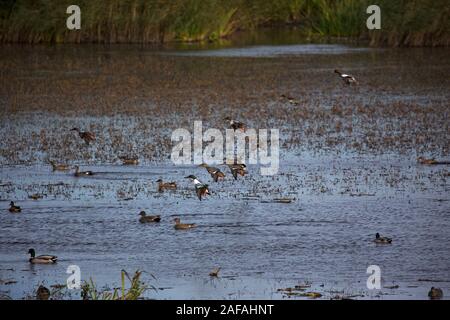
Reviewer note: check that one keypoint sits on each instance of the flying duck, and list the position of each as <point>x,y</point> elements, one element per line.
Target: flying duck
<point>435,293</point>
<point>235,125</point>
<point>291,100</point>
<point>238,169</point>
<point>13,208</point>
<point>215,173</point>
<point>58,166</point>
<point>183,226</point>
<point>348,79</point>
<point>166,185</point>
<point>144,218</point>
<point>42,259</point>
<point>200,188</point>
<point>85,135</point>
<point>380,239</point>
<point>79,173</point>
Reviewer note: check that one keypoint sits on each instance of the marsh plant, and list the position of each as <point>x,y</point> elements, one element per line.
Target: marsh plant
<point>135,290</point>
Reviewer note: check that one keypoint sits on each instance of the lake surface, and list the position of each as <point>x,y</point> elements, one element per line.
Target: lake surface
<point>347,163</point>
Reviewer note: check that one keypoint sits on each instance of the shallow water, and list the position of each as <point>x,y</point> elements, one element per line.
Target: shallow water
<point>346,181</point>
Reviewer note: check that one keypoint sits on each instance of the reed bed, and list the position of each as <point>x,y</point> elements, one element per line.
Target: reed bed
<point>404,23</point>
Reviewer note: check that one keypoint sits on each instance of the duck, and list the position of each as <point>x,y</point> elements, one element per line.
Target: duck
<point>215,272</point>
<point>35,196</point>
<point>291,100</point>
<point>144,218</point>
<point>200,188</point>
<point>183,226</point>
<point>42,259</point>
<point>58,166</point>
<point>42,293</point>
<point>166,185</point>
<point>348,79</point>
<point>85,135</point>
<point>13,208</point>
<point>238,169</point>
<point>235,125</point>
<point>380,239</point>
<point>431,161</point>
<point>435,293</point>
<point>215,173</point>
<point>79,173</point>
<point>129,161</point>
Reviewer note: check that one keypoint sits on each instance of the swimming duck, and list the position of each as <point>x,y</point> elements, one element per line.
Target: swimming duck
<point>58,166</point>
<point>79,173</point>
<point>235,125</point>
<point>215,272</point>
<point>85,135</point>
<point>291,100</point>
<point>129,161</point>
<point>144,218</point>
<point>36,196</point>
<point>215,173</point>
<point>348,79</point>
<point>166,185</point>
<point>42,259</point>
<point>435,293</point>
<point>14,208</point>
<point>42,293</point>
<point>183,226</point>
<point>200,188</point>
<point>238,169</point>
<point>380,239</point>
<point>431,161</point>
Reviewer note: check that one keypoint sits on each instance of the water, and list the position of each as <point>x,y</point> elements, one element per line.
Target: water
<point>347,161</point>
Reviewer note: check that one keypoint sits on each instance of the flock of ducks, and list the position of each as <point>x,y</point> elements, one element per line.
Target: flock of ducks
<point>201,189</point>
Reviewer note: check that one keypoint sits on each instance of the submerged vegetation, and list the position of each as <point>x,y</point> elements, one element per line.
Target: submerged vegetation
<point>404,23</point>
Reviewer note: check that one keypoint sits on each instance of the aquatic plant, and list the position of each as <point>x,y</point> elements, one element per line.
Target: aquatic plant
<point>408,23</point>
<point>136,288</point>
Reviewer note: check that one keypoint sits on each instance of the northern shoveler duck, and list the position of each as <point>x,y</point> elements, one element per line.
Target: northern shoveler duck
<point>166,185</point>
<point>215,173</point>
<point>348,79</point>
<point>79,173</point>
<point>42,259</point>
<point>235,125</point>
<point>435,293</point>
<point>13,208</point>
<point>291,100</point>
<point>85,135</point>
<point>200,188</point>
<point>215,272</point>
<point>58,166</point>
<point>42,293</point>
<point>183,226</point>
<point>380,239</point>
<point>431,161</point>
<point>145,218</point>
<point>237,169</point>
<point>128,161</point>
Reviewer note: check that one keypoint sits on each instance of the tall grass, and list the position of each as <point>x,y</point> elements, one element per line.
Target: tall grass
<point>404,22</point>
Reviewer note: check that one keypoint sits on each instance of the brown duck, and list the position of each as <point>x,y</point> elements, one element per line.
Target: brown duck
<point>183,226</point>
<point>13,208</point>
<point>129,161</point>
<point>58,166</point>
<point>166,185</point>
<point>215,173</point>
<point>85,135</point>
<point>236,125</point>
<point>431,161</point>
